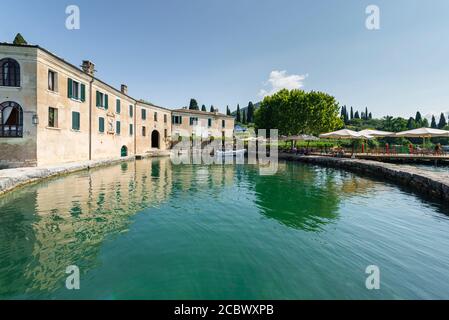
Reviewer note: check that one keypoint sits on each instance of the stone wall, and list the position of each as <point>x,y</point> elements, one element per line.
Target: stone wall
<point>21,152</point>
<point>435,184</point>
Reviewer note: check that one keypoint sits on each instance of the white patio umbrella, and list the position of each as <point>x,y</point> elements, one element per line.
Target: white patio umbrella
<point>423,133</point>
<point>345,134</point>
<point>376,133</point>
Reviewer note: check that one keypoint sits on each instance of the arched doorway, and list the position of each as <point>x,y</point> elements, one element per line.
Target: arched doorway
<point>124,151</point>
<point>155,139</point>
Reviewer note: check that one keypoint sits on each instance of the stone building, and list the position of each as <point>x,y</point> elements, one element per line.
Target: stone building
<point>53,112</point>
<point>201,124</point>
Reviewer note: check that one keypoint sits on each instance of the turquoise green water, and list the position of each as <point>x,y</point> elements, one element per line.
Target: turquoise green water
<point>151,230</point>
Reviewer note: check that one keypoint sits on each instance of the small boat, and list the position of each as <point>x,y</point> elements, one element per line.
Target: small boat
<point>230,152</point>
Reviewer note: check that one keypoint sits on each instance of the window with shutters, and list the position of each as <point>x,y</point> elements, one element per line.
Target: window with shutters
<point>223,123</point>
<point>102,100</point>
<point>118,107</point>
<point>131,130</point>
<point>144,131</point>
<point>118,128</point>
<point>155,116</point>
<point>144,114</point>
<point>176,120</point>
<point>75,121</point>
<point>131,112</point>
<point>165,118</point>
<point>76,90</point>
<point>209,123</point>
<point>101,125</point>
<point>193,121</point>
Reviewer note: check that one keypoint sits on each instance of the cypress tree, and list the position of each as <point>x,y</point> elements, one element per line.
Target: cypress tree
<point>418,119</point>
<point>193,105</point>
<point>203,108</point>
<point>352,113</point>
<point>433,123</point>
<point>212,109</point>
<point>442,122</point>
<point>228,111</point>
<point>356,115</point>
<point>250,114</point>
<point>238,118</point>
<point>411,124</point>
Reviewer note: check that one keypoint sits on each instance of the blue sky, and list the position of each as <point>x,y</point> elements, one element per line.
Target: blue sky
<point>223,52</point>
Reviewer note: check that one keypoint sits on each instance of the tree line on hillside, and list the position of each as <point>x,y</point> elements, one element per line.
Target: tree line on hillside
<point>347,116</point>
<point>245,116</point>
<point>395,124</point>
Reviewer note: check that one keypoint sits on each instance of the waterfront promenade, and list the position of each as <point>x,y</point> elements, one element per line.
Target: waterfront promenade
<point>435,184</point>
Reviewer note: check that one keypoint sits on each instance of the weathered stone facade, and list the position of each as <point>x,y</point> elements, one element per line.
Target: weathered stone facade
<point>69,115</point>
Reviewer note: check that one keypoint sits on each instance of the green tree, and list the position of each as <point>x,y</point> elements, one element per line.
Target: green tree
<point>352,113</point>
<point>244,120</point>
<point>433,123</point>
<point>442,123</point>
<point>356,115</point>
<point>203,108</point>
<point>228,111</point>
<point>212,108</point>
<point>238,117</point>
<point>295,112</point>
<point>193,105</point>
<point>411,124</point>
<point>19,40</point>
<point>250,113</point>
<point>418,119</point>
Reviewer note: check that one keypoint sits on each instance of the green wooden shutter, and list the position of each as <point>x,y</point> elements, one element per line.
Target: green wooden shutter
<point>117,126</point>
<point>117,107</point>
<point>101,124</point>
<point>98,99</point>
<point>106,103</point>
<point>69,88</point>
<point>83,92</point>
<point>75,120</point>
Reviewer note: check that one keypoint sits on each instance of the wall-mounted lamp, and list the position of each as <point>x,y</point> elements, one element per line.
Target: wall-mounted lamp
<point>35,119</point>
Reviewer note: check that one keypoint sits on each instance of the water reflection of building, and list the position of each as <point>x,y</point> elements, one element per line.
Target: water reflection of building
<point>74,216</point>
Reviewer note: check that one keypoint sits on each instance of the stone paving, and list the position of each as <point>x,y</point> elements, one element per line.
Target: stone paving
<point>435,184</point>
<point>13,178</point>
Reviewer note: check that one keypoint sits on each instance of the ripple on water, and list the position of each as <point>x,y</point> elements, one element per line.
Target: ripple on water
<point>152,230</point>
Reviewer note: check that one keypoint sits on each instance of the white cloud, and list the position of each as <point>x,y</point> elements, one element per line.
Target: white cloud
<point>281,80</point>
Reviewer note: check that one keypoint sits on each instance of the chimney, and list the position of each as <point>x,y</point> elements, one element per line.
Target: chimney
<point>88,67</point>
<point>124,89</point>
